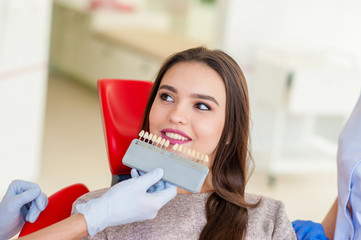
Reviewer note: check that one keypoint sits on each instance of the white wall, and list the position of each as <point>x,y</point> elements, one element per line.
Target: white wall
<point>324,30</point>
<point>24,37</point>
<point>295,25</point>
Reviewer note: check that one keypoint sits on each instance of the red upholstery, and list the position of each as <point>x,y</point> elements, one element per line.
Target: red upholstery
<point>59,208</point>
<point>122,103</point>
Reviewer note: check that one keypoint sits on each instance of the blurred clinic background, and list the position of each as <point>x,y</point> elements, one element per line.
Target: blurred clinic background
<point>301,58</point>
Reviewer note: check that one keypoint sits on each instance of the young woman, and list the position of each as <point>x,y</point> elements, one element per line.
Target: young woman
<point>200,100</point>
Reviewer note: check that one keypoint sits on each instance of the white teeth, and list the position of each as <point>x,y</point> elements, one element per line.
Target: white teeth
<point>176,136</point>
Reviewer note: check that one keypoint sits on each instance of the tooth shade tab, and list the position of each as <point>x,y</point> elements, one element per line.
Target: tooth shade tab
<point>184,150</point>
<point>206,159</point>
<point>150,136</point>
<point>154,138</point>
<point>188,152</point>
<point>175,147</point>
<point>180,148</point>
<point>145,135</point>
<point>141,134</point>
<point>193,153</point>
<point>162,142</point>
<point>166,143</point>
<point>197,155</point>
<point>158,140</point>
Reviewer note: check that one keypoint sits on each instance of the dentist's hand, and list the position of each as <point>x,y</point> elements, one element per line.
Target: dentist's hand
<point>127,201</point>
<point>308,230</point>
<point>22,202</point>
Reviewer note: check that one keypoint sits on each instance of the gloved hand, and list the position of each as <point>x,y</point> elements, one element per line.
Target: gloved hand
<point>158,186</point>
<point>126,202</point>
<point>22,201</point>
<point>308,230</point>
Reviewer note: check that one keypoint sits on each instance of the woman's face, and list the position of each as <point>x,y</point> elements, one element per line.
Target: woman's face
<point>189,108</point>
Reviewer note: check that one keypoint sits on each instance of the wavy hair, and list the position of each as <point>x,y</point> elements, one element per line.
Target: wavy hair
<point>226,207</point>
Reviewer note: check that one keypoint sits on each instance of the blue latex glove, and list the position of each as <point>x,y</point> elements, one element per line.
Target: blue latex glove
<point>22,202</point>
<point>126,202</point>
<point>158,186</point>
<point>308,230</point>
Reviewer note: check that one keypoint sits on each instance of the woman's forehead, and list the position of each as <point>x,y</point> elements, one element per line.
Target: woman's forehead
<point>194,76</point>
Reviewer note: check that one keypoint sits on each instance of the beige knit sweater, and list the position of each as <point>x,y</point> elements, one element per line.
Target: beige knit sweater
<point>184,217</point>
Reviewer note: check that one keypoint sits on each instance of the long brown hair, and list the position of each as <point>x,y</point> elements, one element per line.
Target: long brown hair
<point>226,207</point>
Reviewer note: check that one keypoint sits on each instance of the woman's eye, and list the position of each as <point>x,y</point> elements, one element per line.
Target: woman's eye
<point>166,97</point>
<point>202,106</point>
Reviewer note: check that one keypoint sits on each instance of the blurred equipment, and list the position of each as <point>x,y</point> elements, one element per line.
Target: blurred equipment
<point>308,96</point>
<point>122,103</point>
<point>59,208</point>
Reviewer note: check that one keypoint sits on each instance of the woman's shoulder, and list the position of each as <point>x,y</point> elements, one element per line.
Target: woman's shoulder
<point>266,206</point>
<point>269,218</point>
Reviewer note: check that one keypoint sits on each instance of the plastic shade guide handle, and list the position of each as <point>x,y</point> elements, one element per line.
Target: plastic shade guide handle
<point>179,169</point>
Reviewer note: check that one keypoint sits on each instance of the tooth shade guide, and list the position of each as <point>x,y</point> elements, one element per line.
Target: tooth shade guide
<point>162,142</point>
<point>141,134</point>
<point>184,154</point>
<point>145,135</point>
<point>150,137</point>
<point>154,139</point>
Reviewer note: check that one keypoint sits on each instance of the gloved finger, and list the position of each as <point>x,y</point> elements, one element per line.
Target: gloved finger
<point>41,201</point>
<point>298,224</point>
<point>314,236</point>
<point>26,197</point>
<point>164,196</point>
<point>311,236</point>
<point>160,185</point>
<point>301,233</point>
<point>32,213</point>
<point>134,173</point>
<point>19,186</point>
<point>150,178</point>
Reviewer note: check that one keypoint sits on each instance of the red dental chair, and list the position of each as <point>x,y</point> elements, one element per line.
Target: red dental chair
<point>122,103</point>
<point>59,208</point>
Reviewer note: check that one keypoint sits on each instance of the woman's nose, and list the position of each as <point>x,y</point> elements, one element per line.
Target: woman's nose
<point>178,115</point>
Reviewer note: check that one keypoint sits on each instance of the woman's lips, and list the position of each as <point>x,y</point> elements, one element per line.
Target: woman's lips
<point>175,136</point>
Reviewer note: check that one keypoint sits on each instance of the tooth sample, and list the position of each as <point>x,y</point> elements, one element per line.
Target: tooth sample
<point>193,154</point>
<point>197,156</point>
<point>150,137</point>
<point>162,142</point>
<point>206,159</point>
<point>145,135</point>
<point>175,147</point>
<point>188,152</point>
<point>166,144</point>
<point>141,134</point>
<point>154,138</point>
<point>158,140</point>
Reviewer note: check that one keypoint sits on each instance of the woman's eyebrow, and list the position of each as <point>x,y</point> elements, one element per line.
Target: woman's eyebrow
<point>205,97</point>
<point>193,95</point>
<point>170,88</point>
